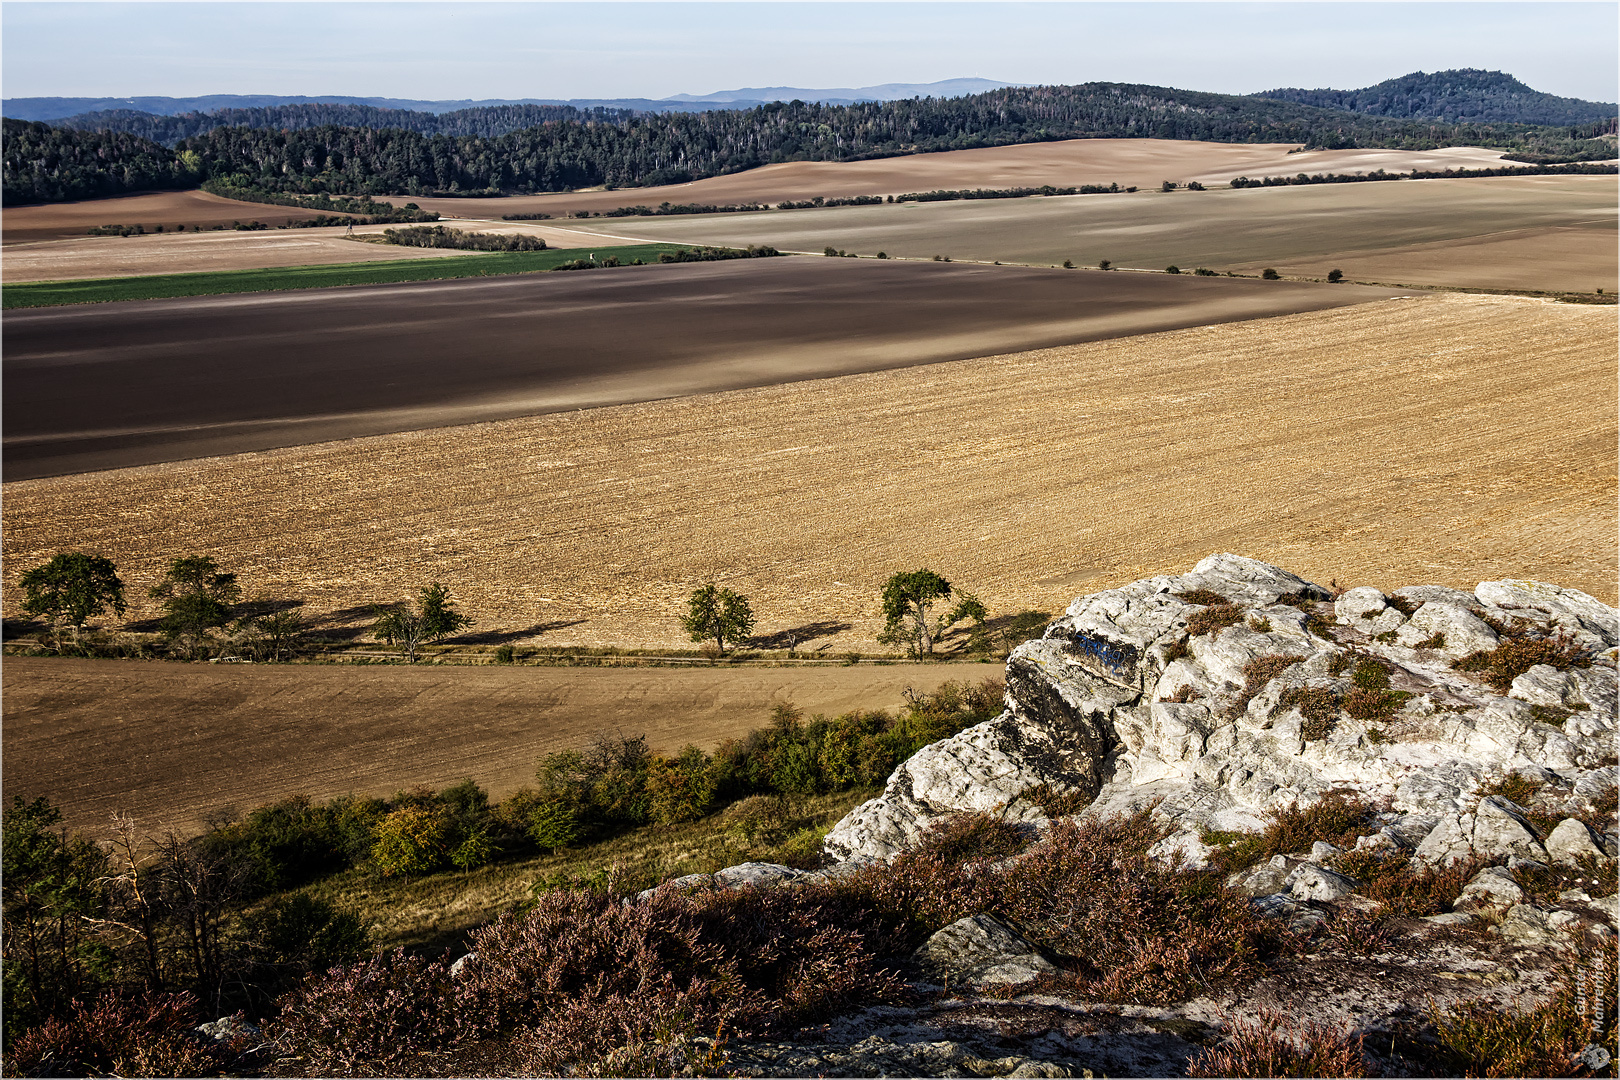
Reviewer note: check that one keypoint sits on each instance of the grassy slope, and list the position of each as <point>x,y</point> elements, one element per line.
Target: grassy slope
<point>436,910</point>
<point>163,286</point>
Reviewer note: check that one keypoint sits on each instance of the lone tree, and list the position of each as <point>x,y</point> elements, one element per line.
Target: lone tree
<point>1335,276</point>
<point>197,596</point>
<point>908,597</point>
<point>713,612</point>
<point>72,588</point>
<point>434,617</point>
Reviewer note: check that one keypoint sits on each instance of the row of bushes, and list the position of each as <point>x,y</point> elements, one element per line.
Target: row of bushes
<point>437,236</point>
<point>1583,168</point>
<point>612,785</point>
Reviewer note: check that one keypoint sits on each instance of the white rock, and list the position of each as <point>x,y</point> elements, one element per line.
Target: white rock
<point>1570,609</point>
<point>1500,829</point>
<point>1312,882</point>
<point>755,875</point>
<point>1358,605</point>
<point>1492,887</point>
<point>1321,852</point>
<point>1544,685</point>
<point>1572,840</point>
<point>1463,631</point>
<point>981,949</point>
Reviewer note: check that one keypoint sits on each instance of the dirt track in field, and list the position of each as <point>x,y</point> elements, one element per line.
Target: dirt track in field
<point>109,385</point>
<point>1449,439</point>
<point>173,743</point>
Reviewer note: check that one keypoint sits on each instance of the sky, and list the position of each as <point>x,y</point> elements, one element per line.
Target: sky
<point>440,51</point>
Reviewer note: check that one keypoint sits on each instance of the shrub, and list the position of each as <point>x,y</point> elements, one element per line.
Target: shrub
<point>411,841</point>
<point>118,1036</point>
<point>1054,803</point>
<point>1172,269</point>
<point>1405,888</point>
<point>376,1017</point>
<point>1318,709</point>
<point>968,837</point>
<point>1515,786</point>
<point>1335,276</point>
<point>1130,927</point>
<point>1204,271</point>
<point>1276,1044</point>
<point>1214,618</point>
<point>1202,597</point>
<point>1257,673</point>
<point>679,790</point>
<point>1336,818</point>
<point>1481,1039</point>
<point>1269,274</point>
<point>1518,655</point>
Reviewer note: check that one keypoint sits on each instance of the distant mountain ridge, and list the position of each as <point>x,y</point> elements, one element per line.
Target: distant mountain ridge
<point>1456,96</point>
<point>50,109</point>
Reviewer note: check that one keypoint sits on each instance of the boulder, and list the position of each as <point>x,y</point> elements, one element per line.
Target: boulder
<point>1121,703</point>
<point>981,950</point>
<point>1312,882</point>
<point>1531,925</point>
<point>1492,887</point>
<point>1461,631</point>
<point>1571,840</point>
<point>755,875</point>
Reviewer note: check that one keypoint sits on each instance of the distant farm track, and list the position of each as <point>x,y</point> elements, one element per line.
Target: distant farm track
<point>112,385</point>
<point>174,743</point>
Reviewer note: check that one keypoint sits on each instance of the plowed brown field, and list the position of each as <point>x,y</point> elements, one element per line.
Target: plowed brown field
<point>174,743</point>
<point>1446,439</point>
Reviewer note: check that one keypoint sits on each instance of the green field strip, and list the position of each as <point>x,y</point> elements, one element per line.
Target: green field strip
<point>278,279</point>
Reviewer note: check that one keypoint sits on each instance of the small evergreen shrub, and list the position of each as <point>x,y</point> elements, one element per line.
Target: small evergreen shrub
<point>1276,1044</point>
<point>1517,655</point>
<point>1213,619</point>
<point>118,1036</point>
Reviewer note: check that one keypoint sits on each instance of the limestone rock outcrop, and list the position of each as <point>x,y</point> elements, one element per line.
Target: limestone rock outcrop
<point>1237,689</point>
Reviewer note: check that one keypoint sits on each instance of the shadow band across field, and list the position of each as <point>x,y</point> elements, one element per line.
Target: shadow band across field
<point>115,385</point>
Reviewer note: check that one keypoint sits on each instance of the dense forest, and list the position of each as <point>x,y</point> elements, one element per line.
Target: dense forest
<point>1461,96</point>
<point>486,122</point>
<point>48,164</point>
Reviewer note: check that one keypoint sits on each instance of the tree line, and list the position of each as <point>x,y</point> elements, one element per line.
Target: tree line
<point>45,164</point>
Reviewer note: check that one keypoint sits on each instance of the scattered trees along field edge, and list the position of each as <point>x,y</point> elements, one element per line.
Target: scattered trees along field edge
<point>44,164</point>
<point>200,602</point>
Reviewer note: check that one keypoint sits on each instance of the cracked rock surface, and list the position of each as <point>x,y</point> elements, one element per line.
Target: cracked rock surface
<point>1239,689</point>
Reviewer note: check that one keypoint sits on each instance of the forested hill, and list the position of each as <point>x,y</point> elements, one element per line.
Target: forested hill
<point>1461,95</point>
<point>48,164</point>
<point>486,121</point>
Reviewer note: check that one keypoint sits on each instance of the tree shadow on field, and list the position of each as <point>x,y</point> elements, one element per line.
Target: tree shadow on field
<point>338,625</point>
<point>795,636</point>
<point>16,628</point>
<point>501,637</point>
<point>260,606</point>
<point>1002,633</point>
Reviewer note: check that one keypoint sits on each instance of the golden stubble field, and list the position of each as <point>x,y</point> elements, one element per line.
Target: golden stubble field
<point>1446,439</point>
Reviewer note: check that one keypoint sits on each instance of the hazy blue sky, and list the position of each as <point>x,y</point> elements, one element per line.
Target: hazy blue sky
<point>488,50</point>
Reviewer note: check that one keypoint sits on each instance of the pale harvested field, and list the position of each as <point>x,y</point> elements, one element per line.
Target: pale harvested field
<point>1446,439</point>
<point>1552,233</point>
<point>174,743</point>
<point>1127,162</point>
<point>174,253</point>
<point>170,209</point>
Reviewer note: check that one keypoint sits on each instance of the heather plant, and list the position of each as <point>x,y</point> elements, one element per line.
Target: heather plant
<point>1336,818</point>
<point>1214,618</point>
<point>118,1036</point>
<point>372,1018</point>
<point>1131,927</point>
<point>1480,1038</point>
<point>1518,654</point>
<point>1406,888</point>
<point>1256,674</point>
<point>969,837</point>
<point>1276,1044</point>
